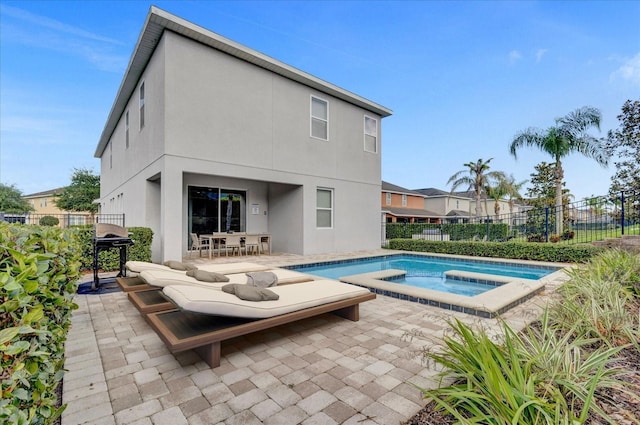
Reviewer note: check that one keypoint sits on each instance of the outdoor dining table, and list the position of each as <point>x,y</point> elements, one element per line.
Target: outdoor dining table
<point>220,236</point>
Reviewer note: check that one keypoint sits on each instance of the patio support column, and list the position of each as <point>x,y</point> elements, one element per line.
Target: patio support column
<point>171,219</point>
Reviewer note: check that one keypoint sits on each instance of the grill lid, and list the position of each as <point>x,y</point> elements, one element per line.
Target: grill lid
<point>105,230</point>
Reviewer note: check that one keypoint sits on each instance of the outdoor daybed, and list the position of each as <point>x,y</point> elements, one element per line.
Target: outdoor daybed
<point>135,283</point>
<point>150,297</point>
<point>207,317</point>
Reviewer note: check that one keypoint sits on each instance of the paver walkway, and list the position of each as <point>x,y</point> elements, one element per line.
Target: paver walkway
<point>323,370</point>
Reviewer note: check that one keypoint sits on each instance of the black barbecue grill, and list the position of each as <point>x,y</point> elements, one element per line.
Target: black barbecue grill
<point>109,236</point>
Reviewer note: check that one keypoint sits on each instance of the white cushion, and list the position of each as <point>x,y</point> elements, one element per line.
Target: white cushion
<point>138,266</point>
<point>163,278</point>
<point>224,268</point>
<point>292,298</point>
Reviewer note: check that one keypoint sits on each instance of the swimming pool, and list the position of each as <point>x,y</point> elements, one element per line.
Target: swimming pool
<point>484,287</point>
<point>427,272</point>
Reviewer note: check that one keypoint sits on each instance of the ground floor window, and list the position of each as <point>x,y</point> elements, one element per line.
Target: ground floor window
<point>324,208</point>
<point>212,210</point>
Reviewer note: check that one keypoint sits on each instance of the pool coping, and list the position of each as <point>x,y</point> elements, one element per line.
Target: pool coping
<point>508,291</point>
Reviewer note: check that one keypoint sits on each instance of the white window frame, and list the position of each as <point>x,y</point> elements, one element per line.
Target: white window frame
<point>126,129</point>
<point>388,200</point>
<point>404,200</point>
<point>141,95</point>
<point>319,208</point>
<point>366,133</point>
<point>311,117</point>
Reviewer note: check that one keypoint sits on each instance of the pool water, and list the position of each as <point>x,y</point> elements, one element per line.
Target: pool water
<point>427,272</point>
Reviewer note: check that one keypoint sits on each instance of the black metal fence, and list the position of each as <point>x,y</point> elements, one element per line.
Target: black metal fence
<point>63,220</point>
<point>584,221</point>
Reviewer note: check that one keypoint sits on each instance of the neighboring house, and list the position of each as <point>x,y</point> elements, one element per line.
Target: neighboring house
<point>207,135</point>
<point>400,205</point>
<point>453,207</point>
<point>460,207</point>
<point>44,203</point>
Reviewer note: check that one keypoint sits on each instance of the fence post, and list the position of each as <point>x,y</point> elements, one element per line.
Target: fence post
<point>546,224</point>
<point>622,211</point>
<point>488,228</point>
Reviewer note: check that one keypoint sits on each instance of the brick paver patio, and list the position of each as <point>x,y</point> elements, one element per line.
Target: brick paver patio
<point>323,370</point>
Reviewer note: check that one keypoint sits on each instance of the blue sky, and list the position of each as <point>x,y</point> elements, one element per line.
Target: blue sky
<point>462,77</point>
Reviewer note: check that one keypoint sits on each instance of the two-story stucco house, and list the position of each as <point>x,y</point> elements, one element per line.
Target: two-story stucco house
<point>403,205</point>
<point>207,135</point>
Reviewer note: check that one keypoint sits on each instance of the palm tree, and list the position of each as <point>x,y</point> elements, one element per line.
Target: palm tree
<point>567,136</point>
<point>497,192</point>
<point>513,190</point>
<point>478,178</point>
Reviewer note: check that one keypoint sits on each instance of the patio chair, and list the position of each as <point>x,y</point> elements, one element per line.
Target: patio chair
<point>199,244</point>
<point>253,242</point>
<point>232,242</point>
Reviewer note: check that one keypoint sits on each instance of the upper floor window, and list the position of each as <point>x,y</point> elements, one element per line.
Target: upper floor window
<point>319,118</point>
<point>324,208</point>
<point>141,106</point>
<point>126,129</point>
<point>110,155</point>
<point>388,198</point>
<point>404,200</point>
<point>370,134</point>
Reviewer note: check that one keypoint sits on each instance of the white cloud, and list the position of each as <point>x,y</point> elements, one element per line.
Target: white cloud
<point>629,71</point>
<point>514,56</point>
<point>539,54</point>
<point>52,24</point>
<point>29,29</point>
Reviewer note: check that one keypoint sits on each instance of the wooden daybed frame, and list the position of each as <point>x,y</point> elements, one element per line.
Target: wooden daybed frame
<point>132,283</point>
<point>182,330</point>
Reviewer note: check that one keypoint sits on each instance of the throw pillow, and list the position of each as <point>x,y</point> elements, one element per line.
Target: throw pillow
<point>206,276</point>
<point>250,293</point>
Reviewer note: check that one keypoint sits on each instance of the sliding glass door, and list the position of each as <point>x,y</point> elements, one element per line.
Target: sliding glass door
<point>212,210</point>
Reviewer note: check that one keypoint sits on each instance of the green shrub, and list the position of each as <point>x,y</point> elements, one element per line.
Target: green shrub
<point>597,298</point>
<point>39,273</point>
<point>540,377</point>
<point>49,220</point>
<point>514,250</point>
<point>456,231</point>
<point>109,260</point>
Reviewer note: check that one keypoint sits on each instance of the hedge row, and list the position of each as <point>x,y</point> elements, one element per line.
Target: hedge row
<point>109,259</point>
<point>39,270</point>
<point>456,231</point>
<point>515,250</point>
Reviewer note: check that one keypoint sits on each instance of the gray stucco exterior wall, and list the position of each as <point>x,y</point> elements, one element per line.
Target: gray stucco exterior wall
<point>215,120</point>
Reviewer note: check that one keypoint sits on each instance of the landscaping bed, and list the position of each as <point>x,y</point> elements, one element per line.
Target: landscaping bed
<point>579,364</point>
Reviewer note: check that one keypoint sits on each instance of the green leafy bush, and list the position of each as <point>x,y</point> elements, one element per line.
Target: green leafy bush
<point>109,260</point>
<point>597,298</point>
<point>514,250</point>
<point>456,231</point>
<point>539,377</point>
<point>39,270</point>
<point>49,220</point>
